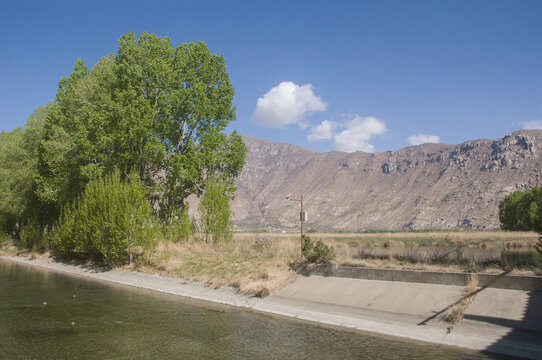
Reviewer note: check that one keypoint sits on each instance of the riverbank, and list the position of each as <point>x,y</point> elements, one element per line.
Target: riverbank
<point>498,320</point>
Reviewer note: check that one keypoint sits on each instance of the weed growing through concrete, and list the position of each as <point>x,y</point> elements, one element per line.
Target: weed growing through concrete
<point>456,313</point>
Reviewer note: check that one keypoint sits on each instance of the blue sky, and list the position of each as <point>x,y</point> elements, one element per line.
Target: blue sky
<point>342,75</point>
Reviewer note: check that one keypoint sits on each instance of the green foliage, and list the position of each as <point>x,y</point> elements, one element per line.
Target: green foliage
<point>317,252</point>
<point>523,211</point>
<point>215,213</point>
<point>110,222</point>
<point>152,107</point>
<point>4,238</point>
<point>31,235</point>
<point>181,228</point>
<point>18,167</point>
<point>13,178</point>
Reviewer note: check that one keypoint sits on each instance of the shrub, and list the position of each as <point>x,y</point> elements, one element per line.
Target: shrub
<point>215,213</point>
<point>263,292</point>
<point>109,222</point>
<point>181,228</point>
<point>31,235</point>
<point>4,237</point>
<point>317,252</point>
<point>262,243</point>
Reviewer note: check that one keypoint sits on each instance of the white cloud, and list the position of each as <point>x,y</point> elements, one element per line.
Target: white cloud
<point>533,125</point>
<point>324,131</point>
<point>358,132</point>
<point>423,139</point>
<point>285,104</point>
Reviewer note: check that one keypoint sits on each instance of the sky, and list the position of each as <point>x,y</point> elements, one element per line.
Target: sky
<point>344,75</point>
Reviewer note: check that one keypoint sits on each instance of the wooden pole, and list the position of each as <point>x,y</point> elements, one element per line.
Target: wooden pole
<point>302,218</point>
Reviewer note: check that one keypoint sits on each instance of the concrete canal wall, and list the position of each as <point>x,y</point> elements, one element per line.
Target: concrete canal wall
<point>498,281</point>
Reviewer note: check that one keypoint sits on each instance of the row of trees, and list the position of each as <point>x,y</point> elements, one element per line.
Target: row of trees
<point>522,211</point>
<point>152,115</point>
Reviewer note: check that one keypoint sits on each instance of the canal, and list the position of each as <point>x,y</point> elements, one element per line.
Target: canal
<point>49,315</point>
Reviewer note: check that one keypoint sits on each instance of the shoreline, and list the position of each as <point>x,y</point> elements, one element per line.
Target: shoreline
<point>318,299</point>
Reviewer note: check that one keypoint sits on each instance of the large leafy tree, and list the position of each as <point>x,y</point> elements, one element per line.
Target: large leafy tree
<point>152,107</point>
<point>14,175</point>
<point>18,168</point>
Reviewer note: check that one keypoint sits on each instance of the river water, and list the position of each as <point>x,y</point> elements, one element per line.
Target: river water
<point>40,319</point>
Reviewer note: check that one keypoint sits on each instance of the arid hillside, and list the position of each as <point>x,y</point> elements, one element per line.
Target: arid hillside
<point>419,187</point>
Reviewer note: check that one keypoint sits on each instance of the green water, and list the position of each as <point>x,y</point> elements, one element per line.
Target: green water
<point>114,322</point>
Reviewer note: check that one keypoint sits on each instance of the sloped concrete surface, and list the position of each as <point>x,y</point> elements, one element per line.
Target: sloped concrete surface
<point>498,320</point>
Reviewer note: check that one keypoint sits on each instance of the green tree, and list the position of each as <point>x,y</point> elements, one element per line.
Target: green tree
<point>14,176</point>
<point>109,222</point>
<point>181,227</point>
<point>19,206</point>
<point>152,107</point>
<point>215,213</point>
<point>523,211</point>
<point>512,212</point>
<point>317,252</point>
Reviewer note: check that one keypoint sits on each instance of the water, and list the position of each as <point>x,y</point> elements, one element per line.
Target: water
<point>39,319</point>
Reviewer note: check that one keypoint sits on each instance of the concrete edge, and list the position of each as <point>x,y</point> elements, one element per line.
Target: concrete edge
<point>499,281</point>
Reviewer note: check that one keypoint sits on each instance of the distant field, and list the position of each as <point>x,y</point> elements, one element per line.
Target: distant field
<point>498,239</point>
<point>452,250</point>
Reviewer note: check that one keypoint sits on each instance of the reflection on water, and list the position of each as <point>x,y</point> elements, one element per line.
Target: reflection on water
<point>40,319</point>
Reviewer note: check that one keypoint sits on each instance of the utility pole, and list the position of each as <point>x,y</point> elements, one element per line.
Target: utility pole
<point>302,218</point>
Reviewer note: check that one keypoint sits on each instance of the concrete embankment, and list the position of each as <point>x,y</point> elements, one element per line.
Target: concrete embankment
<point>503,321</point>
<point>503,280</point>
<point>506,321</point>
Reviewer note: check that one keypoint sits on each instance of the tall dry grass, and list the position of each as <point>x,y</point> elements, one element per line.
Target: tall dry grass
<point>456,312</point>
<point>261,263</point>
<point>498,239</point>
<point>253,266</point>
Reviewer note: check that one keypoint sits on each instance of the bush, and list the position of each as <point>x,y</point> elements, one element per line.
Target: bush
<point>262,243</point>
<point>317,252</point>
<point>31,235</point>
<point>110,222</point>
<point>181,228</point>
<point>4,237</point>
<point>215,213</point>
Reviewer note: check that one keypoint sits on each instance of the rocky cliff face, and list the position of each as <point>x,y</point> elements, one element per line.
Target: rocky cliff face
<point>418,187</point>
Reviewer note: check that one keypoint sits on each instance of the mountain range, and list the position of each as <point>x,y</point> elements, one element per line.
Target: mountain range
<point>429,186</point>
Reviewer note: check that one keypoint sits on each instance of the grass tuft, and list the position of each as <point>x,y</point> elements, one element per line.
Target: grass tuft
<point>456,313</point>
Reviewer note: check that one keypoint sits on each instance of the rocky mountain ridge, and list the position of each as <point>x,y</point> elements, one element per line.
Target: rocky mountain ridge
<point>429,186</point>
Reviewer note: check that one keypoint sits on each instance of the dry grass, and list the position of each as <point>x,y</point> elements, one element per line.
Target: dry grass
<point>259,267</point>
<point>479,251</point>
<point>252,268</point>
<point>9,248</point>
<point>456,312</point>
<point>263,266</point>
<point>492,239</point>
